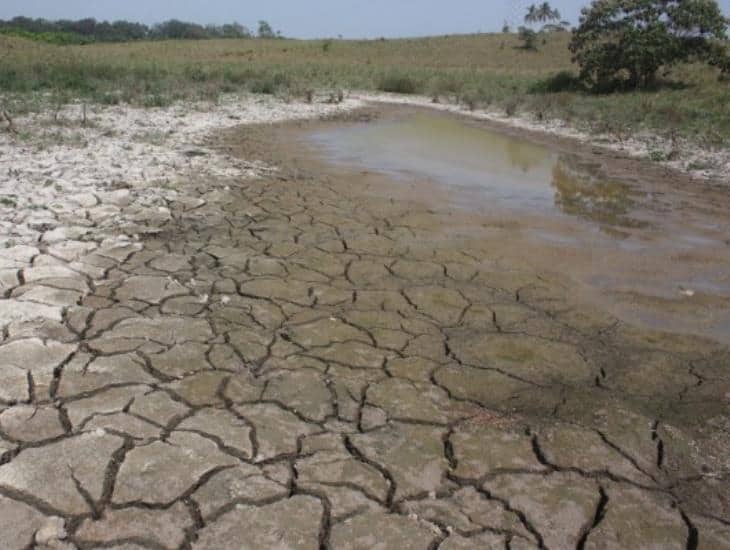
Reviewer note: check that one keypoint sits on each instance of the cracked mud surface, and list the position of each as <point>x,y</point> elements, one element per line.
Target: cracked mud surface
<point>290,363</point>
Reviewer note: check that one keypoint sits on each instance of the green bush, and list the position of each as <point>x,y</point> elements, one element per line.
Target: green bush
<point>624,44</point>
<point>529,38</point>
<point>564,81</point>
<point>58,37</point>
<point>398,84</point>
<point>269,84</point>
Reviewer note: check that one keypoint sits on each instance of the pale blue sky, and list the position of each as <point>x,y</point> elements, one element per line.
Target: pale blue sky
<point>306,18</point>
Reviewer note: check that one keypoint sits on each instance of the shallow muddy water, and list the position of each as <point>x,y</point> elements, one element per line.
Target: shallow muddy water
<point>481,168</point>
<point>636,238</point>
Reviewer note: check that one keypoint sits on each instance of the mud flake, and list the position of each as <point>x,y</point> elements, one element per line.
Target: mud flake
<point>110,401</point>
<point>126,424</point>
<point>31,423</point>
<point>417,369</point>
<point>303,391</point>
<point>161,472</point>
<point>442,304</point>
<point>18,311</point>
<point>405,400</point>
<point>36,357</point>
<point>170,263</point>
<point>638,519</point>
<point>242,483</point>
<point>181,360</point>
<point>277,429</point>
<point>467,511</point>
<point>47,295</point>
<point>48,472</point>
<point>167,330</point>
<point>535,359</point>
<point>165,528</point>
<point>352,354</point>
<point>201,389</point>
<point>491,445</point>
<point>279,289</point>
<point>381,530</point>
<point>18,524</point>
<point>418,272</point>
<point>325,331</point>
<point>333,468</point>
<point>488,387</point>
<point>456,541</point>
<point>158,407</point>
<point>569,446</point>
<point>232,431</point>
<point>558,505</point>
<point>80,377</point>
<point>413,455</point>
<point>289,523</point>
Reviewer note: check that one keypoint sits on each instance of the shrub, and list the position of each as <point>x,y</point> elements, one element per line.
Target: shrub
<point>196,74</point>
<point>398,84</point>
<point>59,38</point>
<point>270,84</point>
<point>564,81</point>
<point>155,100</point>
<point>529,38</point>
<point>510,106</point>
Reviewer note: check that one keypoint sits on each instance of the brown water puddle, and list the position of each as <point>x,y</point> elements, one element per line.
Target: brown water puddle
<point>650,246</point>
<point>480,168</point>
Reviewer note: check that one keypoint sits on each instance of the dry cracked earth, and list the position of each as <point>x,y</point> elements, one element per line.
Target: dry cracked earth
<point>290,364</point>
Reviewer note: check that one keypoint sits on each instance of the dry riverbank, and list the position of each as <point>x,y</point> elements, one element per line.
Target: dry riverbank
<point>223,339</point>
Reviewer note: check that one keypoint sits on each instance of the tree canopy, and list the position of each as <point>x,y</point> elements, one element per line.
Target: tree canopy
<point>624,43</point>
<point>91,30</point>
<point>542,13</point>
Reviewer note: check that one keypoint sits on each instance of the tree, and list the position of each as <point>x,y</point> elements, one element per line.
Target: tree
<point>236,30</point>
<point>532,14</point>
<point>624,43</point>
<point>90,30</point>
<point>528,37</point>
<point>543,13</point>
<point>265,30</point>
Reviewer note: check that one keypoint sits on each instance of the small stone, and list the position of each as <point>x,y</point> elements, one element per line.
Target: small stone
<point>53,529</point>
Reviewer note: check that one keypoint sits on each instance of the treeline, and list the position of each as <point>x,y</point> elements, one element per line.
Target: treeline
<point>91,30</point>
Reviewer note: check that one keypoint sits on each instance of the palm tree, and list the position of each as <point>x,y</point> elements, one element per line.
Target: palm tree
<point>532,15</point>
<point>546,13</point>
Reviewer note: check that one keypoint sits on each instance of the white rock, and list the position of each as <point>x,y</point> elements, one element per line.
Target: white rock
<point>54,529</point>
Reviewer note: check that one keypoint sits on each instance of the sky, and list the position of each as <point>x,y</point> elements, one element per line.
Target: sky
<point>307,18</point>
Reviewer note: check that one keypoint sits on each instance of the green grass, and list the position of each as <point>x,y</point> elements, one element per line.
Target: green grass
<point>57,37</point>
<point>480,71</point>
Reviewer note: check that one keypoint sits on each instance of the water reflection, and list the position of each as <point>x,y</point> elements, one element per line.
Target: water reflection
<point>580,190</point>
<point>482,168</point>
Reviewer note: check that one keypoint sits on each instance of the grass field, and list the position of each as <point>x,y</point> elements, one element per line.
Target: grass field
<point>482,71</point>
